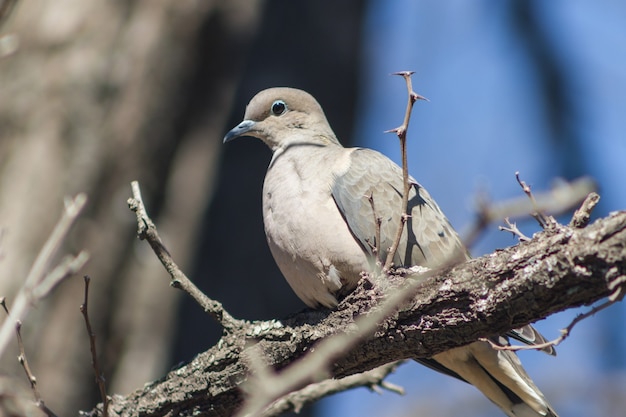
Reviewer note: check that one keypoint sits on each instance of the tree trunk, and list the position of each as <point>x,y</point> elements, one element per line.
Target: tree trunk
<point>99,94</point>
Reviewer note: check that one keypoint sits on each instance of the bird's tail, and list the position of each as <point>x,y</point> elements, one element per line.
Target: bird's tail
<point>498,374</point>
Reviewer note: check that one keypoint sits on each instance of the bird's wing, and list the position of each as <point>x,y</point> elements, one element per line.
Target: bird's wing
<point>431,241</point>
<point>428,238</point>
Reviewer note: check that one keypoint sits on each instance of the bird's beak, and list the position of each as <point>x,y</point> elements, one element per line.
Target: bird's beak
<point>240,130</point>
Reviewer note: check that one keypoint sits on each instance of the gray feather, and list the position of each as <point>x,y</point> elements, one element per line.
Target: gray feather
<point>428,238</point>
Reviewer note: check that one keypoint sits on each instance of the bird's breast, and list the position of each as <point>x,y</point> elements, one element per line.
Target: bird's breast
<point>306,233</point>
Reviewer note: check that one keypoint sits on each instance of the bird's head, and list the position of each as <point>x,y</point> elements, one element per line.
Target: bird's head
<point>284,116</point>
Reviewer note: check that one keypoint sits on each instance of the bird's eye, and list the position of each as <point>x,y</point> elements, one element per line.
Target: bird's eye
<point>278,107</point>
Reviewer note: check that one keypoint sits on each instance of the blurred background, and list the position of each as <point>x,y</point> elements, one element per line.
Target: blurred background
<point>101,93</point>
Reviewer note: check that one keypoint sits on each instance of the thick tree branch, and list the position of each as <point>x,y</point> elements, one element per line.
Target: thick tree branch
<point>558,269</point>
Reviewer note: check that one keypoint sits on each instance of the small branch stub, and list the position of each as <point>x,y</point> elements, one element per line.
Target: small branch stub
<point>582,216</point>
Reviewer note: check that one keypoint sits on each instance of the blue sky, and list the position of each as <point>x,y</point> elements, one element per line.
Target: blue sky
<point>489,116</point>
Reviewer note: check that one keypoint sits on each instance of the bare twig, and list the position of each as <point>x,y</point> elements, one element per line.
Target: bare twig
<point>583,214</point>
<point>373,379</point>
<point>512,228</point>
<point>68,266</point>
<point>84,309</point>
<point>377,222</point>
<point>38,283</point>
<point>543,220</point>
<point>146,230</point>
<point>401,131</point>
<point>564,332</point>
<point>22,359</point>
<point>563,197</point>
<point>24,362</point>
<point>29,374</point>
<point>616,284</point>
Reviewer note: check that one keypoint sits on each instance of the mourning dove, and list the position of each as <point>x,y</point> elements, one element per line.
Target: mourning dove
<point>321,231</point>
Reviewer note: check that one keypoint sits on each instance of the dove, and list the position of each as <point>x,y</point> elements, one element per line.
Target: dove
<point>321,230</point>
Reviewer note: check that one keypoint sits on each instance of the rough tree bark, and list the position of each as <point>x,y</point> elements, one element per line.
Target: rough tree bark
<point>559,268</point>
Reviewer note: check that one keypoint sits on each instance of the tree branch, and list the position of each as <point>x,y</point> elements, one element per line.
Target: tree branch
<point>146,230</point>
<point>559,200</point>
<point>559,268</point>
<point>373,379</point>
<point>41,280</point>
<point>401,131</point>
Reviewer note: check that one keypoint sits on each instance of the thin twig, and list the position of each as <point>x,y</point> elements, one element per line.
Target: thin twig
<point>146,230</point>
<point>373,379</point>
<point>616,285</point>
<point>401,131</point>
<point>512,228</point>
<point>553,343</point>
<point>84,309</point>
<point>378,223</point>
<point>543,220</point>
<point>564,196</point>
<point>68,266</point>
<point>23,360</point>
<point>38,283</point>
